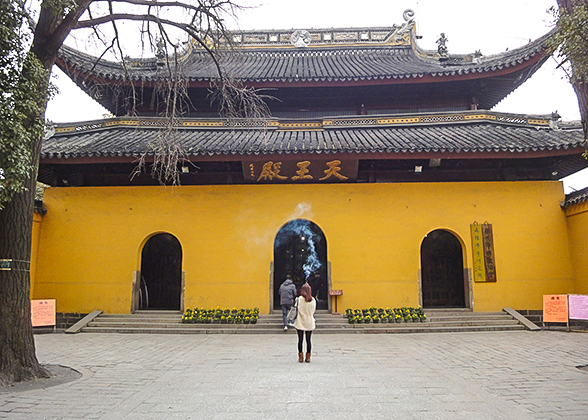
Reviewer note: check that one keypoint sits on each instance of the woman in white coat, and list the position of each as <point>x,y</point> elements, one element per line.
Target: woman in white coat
<point>305,322</point>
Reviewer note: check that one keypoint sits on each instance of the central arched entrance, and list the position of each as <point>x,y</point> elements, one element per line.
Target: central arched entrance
<point>161,273</point>
<point>442,274</point>
<point>300,250</point>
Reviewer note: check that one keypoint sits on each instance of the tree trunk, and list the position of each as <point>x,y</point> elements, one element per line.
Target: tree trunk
<point>18,361</point>
<point>581,89</point>
<point>580,83</point>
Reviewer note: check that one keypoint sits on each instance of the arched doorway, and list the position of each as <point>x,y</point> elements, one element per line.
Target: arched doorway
<point>300,250</point>
<point>442,274</point>
<point>161,273</point>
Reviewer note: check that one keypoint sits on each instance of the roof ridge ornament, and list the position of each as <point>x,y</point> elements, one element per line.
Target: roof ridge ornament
<point>300,38</point>
<point>441,47</point>
<point>408,16</point>
<point>402,34</point>
<point>160,53</point>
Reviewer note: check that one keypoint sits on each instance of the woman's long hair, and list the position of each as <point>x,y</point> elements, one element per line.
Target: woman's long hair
<point>306,292</point>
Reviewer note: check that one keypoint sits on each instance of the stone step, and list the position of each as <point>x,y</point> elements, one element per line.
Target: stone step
<point>140,317</point>
<point>439,329</point>
<point>468,318</point>
<point>207,329</point>
<point>439,324</point>
<point>406,328</point>
<point>169,322</point>
<point>156,312</point>
<point>167,325</point>
<point>278,326</point>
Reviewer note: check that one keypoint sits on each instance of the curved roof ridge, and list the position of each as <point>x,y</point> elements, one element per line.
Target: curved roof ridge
<point>441,140</point>
<point>535,121</point>
<point>409,59</point>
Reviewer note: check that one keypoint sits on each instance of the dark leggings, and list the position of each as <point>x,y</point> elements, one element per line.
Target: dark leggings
<point>301,333</point>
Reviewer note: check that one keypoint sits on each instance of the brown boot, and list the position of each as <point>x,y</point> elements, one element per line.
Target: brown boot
<point>307,357</point>
<point>300,358</point>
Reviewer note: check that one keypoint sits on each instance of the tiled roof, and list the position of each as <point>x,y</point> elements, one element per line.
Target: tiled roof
<point>284,64</point>
<point>402,135</point>
<point>576,197</point>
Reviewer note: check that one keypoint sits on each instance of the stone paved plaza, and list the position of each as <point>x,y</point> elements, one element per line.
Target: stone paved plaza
<point>492,375</point>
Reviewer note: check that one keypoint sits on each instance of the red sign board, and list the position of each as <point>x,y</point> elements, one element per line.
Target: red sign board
<point>43,312</point>
<point>336,292</point>
<point>555,308</point>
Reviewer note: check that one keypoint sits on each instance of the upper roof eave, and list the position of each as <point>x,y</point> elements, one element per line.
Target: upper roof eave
<point>400,63</point>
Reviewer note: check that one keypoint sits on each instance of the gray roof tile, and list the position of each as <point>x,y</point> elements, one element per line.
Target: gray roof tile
<point>95,139</point>
<point>327,62</point>
<point>576,197</point>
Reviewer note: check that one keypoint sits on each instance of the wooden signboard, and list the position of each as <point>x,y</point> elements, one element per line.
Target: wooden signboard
<point>488,239</point>
<point>483,252</point>
<point>291,171</point>
<point>43,312</point>
<point>578,305</point>
<point>555,308</point>
<point>478,253</point>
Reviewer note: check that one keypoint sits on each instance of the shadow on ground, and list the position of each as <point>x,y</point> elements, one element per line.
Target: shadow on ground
<point>59,375</point>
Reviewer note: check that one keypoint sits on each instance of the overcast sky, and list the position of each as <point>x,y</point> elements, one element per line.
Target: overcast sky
<point>470,25</point>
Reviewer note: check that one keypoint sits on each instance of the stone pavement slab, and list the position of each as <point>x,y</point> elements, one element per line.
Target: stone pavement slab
<point>491,375</point>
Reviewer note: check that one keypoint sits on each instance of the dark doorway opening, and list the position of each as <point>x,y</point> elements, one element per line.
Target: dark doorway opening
<point>161,273</point>
<point>300,250</point>
<point>442,274</point>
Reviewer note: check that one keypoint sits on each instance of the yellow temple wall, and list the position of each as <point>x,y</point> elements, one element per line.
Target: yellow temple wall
<point>37,223</point>
<point>92,237</point>
<point>577,217</point>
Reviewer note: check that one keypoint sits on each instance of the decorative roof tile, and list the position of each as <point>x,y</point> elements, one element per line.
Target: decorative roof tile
<point>473,132</point>
<point>285,64</point>
<point>576,197</point>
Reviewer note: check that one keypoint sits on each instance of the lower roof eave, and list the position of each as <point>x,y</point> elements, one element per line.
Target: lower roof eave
<point>327,155</point>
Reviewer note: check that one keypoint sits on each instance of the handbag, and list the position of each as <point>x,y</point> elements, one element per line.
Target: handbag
<point>293,312</point>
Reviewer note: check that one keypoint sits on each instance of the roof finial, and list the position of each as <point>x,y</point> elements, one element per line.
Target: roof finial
<point>442,48</point>
<point>408,15</point>
<point>160,52</point>
<point>401,35</point>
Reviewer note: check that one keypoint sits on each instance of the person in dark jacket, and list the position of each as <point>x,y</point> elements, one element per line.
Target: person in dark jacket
<point>287,295</point>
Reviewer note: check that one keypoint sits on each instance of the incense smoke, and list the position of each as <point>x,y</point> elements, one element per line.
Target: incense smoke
<point>301,228</point>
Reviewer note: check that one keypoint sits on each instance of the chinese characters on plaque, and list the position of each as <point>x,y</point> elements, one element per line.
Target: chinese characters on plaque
<point>563,308</point>
<point>273,171</point>
<point>483,252</point>
<point>43,312</point>
<point>555,308</point>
